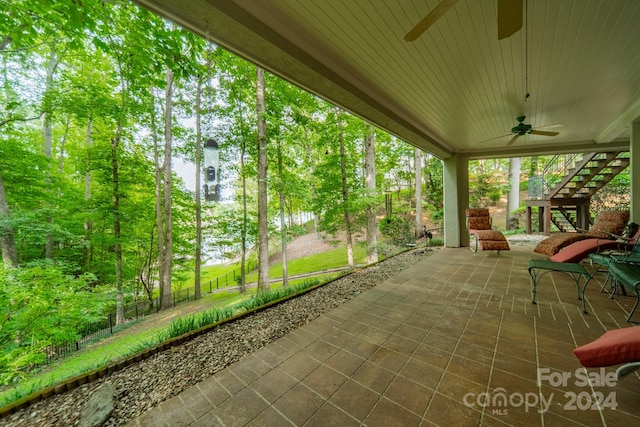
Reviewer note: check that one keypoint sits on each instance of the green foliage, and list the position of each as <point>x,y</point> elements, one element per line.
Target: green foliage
<point>397,229</point>
<point>190,323</point>
<point>435,183</point>
<point>436,241</point>
<point>41,305</point>
<point>614,195</point>
<point>437,215</point>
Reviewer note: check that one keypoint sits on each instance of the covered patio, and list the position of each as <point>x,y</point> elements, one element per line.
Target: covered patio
<point>453,340</point>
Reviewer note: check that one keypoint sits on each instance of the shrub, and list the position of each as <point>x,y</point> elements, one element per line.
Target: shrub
<point>397,229</point>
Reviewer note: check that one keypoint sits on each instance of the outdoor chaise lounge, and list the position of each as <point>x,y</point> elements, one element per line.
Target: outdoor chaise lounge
<point>487,239</point>
<point>607,223</point>
<point>615,347</point>
<point>582,249</point>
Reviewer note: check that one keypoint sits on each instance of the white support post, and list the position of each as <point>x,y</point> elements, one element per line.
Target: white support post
<point>456,200</point>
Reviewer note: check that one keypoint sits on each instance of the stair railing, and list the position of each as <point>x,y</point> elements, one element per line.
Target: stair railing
<point>553,172</point>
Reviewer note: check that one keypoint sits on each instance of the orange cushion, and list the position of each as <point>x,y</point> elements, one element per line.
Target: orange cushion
<point>552,245</point>
<point>578,251</point>
<point>476,212</point>
<point>613,348</point>
<point>479,223</point>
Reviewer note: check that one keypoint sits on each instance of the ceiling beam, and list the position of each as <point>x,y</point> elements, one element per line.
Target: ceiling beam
<point>550,149</point>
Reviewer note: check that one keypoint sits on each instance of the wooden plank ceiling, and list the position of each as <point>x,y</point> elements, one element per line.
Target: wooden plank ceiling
<point>457,88</point>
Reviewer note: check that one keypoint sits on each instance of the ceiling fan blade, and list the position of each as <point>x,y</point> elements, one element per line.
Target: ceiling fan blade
<point>512,140</point>
<point>557,125</point>
<point>509,17</point>
<point>494,138</point>
<point>430,19</point>
<point>544,133</point>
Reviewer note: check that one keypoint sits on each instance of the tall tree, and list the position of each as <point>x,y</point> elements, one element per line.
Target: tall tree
<point>198,260</point>
<point>513,196</point>
<point>263,231</point>
<point>47,134</point>
<point>283,227</point>
<point>418,180</point>
<point>167,260</point>
<point>370,184</point>
<point>345,190</point>
<point>115,148</point>
<point>243,227</point>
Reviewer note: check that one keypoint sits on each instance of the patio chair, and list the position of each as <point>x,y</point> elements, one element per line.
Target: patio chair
<point>487,239</point>
<point>628,252</point>
<point>623,268</point>
<point>607,224</point>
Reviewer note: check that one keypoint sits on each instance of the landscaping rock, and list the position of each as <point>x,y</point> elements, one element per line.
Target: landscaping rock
<point>99,408</point>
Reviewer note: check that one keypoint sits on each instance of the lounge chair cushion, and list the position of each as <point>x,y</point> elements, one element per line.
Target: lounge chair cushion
<point>490,240</point>
<point>607,223</point>
<point>613,348</point>
<point>578,251</point>
<point>479,223</point>
<point>552,245</point>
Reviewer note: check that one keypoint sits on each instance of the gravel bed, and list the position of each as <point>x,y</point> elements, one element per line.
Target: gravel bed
<point>147,383</point>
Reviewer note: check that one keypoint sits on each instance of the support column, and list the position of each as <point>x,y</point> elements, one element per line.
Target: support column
<point>634,167</point>
<point>547,218</point>
<point>456,200</point>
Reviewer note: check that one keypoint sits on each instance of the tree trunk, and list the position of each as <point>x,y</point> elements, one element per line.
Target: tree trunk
<point>263,232</point>
<point>283,228</point>
<point>196,285</point>
<point>370,184</point>
<point>87,251</point>
<point>418,167</point>
<point>243,229</point>
<point>345,192</point>
<point>159,212</point>
<point>513,197</point>
<point>115,142</point>
<point>168,227</point>
<point>316,220</point>
<point>47,135</point>
<point>7,243</point>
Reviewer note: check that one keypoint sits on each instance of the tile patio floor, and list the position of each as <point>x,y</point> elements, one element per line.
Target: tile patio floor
<point>425,348</point>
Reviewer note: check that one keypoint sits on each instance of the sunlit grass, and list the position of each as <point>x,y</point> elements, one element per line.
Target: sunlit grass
<point>335,258</point>
<point>147,332</point>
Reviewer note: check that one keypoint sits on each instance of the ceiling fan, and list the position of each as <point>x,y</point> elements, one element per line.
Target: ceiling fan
<point>509,18</point>
<point>523,129</point>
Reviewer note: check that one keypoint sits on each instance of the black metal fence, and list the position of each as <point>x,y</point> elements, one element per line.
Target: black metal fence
<point>140,309</point>
<point>133,312</point>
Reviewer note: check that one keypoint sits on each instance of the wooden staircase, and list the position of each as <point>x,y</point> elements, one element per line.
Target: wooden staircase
<point>562,193</point>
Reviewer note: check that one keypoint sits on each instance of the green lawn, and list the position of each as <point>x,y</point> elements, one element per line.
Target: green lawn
<point>134,337</point>
<point>325,261</point>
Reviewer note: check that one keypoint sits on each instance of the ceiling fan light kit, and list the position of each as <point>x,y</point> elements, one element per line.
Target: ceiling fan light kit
<point>523,129</point>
